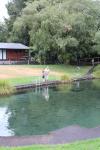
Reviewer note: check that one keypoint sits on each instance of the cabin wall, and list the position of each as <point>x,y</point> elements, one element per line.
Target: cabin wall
<point>16,55</point>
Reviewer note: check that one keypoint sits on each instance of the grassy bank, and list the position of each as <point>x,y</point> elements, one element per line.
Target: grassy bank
<point>29,80</point>
<point>24,74</point>
<point>96,72</point>
<point>83,145</point>
<point>71,71</point>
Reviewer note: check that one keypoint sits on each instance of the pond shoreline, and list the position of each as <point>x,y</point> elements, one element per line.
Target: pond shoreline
<point>22,87</point>
<point>26,87</point>
<point>61,136</point>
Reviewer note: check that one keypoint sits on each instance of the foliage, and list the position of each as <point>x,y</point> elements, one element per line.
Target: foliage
<point>65,77</point>
<point>3,32</point>
<point>14,8</point>
<point>57,30</point>
<point>5,88</point>
<point>96,72</point>
<point>97,41</point>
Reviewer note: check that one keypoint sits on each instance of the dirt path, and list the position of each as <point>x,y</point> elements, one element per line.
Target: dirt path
<point>7,72</point>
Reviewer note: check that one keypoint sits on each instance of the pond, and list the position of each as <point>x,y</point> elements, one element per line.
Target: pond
<point>47,109</point>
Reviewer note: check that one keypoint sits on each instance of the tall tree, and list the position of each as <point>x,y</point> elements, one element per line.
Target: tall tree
<point>3,32</point>
<point>14,8</point>
<point>57,30</point>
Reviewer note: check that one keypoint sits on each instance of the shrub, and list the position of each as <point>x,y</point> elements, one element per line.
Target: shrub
<point>5,88</point>
<point>96,73</point>
<point>65,77</point>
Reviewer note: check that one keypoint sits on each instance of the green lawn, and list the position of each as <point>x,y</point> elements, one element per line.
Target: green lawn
<point>72,71</point>
<point>29,80</point>
<point>83,145</point>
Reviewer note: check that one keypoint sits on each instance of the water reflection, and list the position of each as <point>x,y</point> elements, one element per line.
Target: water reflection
<point>4,117</point>
<point>96,84</point>
<point>45,93</point>
<point>78,84</point>
<point>65,88</point>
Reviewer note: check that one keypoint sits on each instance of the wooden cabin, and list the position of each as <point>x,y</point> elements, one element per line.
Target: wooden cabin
<point>13,53</point>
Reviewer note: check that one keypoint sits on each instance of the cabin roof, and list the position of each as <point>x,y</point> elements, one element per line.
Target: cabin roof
<point>13,46</point>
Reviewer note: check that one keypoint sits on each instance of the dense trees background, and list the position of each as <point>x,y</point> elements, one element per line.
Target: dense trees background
<point>58,31</point>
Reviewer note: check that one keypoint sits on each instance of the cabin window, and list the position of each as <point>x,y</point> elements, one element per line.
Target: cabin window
<point>0,54</point>
<point>3,54</point>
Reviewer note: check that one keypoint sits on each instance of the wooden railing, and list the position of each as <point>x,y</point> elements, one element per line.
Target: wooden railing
<point>89,61</point>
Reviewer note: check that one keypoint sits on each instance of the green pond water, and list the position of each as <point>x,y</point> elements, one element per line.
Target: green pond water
<point>47,109</point>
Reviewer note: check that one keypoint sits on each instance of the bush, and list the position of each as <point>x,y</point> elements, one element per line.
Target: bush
<point>5,88</point>
<point>96,72</point>
<point>65,77</point>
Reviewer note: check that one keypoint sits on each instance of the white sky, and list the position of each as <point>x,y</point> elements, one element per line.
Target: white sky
<point>3,10</point>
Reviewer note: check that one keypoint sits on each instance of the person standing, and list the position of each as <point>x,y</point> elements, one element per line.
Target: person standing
<point>46,73</point>
<point>43,76</point>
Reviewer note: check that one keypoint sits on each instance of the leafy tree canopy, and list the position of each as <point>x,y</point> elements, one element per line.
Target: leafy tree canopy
<point>57,30</point>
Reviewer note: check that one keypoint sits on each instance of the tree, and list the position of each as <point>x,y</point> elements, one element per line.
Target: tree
<point>3,32</point>
<point>14,9</point>
<point>57,30</point>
